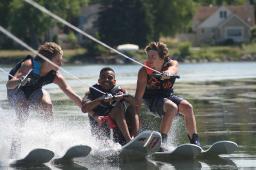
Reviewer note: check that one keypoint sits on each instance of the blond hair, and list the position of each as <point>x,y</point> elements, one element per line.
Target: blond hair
<point>49,50</point>
<point>160,47</point>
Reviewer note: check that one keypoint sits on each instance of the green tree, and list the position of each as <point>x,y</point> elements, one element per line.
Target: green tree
<point>171,17</point>
<point>139,21</point>
<point>31,25</point>
<point>125,22</point>
<point>4,13</point>
<point>253,34</point>
<point>220,2</point>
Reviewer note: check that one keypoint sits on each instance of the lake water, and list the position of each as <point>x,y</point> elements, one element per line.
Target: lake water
<point>224,100</point>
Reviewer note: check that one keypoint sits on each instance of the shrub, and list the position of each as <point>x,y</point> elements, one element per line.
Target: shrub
<point>253,34</point>
<point>184,50</point>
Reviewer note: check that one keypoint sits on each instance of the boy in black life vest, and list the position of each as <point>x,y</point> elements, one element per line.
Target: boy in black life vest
<point>27,78</point>
<point>158,93</point>
<point>25,86</point>
<point>107,101</point>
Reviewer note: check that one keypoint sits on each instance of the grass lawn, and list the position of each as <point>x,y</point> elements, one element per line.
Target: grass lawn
<point>21,53</point>
<point>14,53</point>
<point>197,54</point>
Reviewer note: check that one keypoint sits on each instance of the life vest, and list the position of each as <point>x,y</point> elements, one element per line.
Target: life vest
<point>155,85</point>
<point>104,108</point>
<point>17,66</point>
<point>149,71</point>
<point>36,81</point>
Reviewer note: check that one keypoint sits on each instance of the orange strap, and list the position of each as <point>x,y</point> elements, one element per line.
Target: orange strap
<point>149,71</point>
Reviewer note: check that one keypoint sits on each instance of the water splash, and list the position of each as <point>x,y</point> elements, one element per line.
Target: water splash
<point>57,136</point>
<point>177,131</point>
<point>6,130</point>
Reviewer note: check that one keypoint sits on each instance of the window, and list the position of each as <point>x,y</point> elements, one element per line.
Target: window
<point>234,32</point>
<point>223,14</point>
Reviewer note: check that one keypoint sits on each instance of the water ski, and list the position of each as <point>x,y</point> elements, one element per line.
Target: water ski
<point>191,151</point>
<point>185,151</point>
<point>219,148</point>
<point>35,157</point>
<point>73,152</point>
<point>143,144</point>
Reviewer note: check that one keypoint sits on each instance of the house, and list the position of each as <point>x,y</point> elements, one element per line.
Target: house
<point>223,24</point>
<point>87,20</point>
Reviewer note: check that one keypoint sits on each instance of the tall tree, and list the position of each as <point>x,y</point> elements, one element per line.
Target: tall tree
<point>31,25</point>
<point>125,22</point>
<point>4,12</point>
<point>4,19</point>
<point>140,21</point>
<point>221,2</point>
<point>171,17</point>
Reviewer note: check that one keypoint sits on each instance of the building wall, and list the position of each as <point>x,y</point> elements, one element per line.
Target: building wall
<point>204,35</point>
<point>235,23</point>
<point>87,20</point>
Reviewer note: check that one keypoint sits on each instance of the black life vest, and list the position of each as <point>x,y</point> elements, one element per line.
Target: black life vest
<point>104,108</point>
<point>37,81</point>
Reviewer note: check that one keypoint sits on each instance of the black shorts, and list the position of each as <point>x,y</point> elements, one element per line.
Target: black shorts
<point>156,104</point>
<point>16,95</point>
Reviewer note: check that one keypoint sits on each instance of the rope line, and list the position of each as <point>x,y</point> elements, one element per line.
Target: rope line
<point>10,35</point>
<point>43,9</point>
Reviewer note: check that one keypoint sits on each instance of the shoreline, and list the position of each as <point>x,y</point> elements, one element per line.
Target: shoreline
<point>117,61</point>
<point>80,57</point>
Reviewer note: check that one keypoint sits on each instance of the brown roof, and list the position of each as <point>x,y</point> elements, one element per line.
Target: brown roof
<point>204,12</point>
<point>245,12</point>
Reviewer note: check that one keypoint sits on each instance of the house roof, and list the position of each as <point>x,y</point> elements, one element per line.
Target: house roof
<point>232,18</point>
<point>244,12</point>
<point>203,12</point>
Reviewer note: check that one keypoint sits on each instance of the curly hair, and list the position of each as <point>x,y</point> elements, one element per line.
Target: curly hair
<point>49,50</point>
<point>160,47</point>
